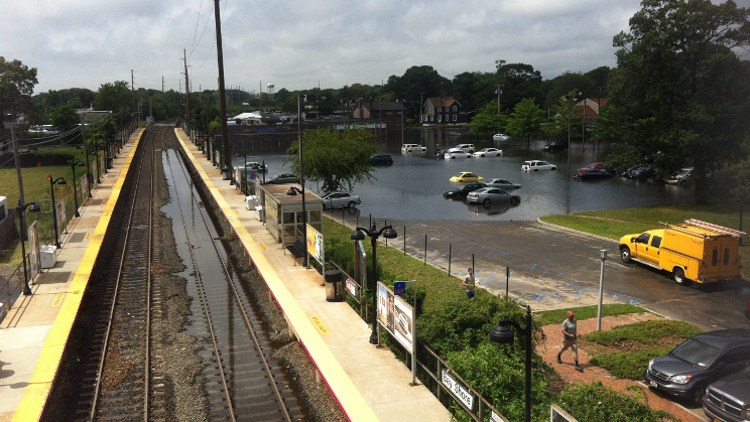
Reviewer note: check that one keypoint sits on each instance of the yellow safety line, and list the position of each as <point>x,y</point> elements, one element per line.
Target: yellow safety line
<point>344,391</point>
<point>43,377</point>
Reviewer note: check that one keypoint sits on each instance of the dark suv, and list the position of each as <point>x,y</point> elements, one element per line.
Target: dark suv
<point>555,146</point>
<point>686,371</point>
<point>728,399</point>
<point>381,160</point>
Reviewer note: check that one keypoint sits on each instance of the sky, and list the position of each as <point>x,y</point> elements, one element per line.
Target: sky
<point>300,45</point>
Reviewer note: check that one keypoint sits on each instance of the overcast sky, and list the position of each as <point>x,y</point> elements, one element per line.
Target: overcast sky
<point>302,44</point>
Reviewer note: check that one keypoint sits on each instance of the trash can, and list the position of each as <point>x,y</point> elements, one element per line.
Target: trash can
<point>334,289</point>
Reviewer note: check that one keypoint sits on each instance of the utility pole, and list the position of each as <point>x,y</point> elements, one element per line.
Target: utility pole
<point>187,91</point>
<point>222,94</point>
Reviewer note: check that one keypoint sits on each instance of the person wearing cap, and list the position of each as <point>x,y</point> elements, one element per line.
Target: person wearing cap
<point>570,339</point>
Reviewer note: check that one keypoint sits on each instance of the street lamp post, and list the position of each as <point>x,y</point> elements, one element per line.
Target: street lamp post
<point>292,192</point>
<point>33,207</point>
<point>73,166</point>
<point>52,183</point>
<point>501,333</point>
<point>389,233</point>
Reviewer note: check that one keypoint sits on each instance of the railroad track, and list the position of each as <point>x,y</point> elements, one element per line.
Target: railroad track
<point>128,370</point>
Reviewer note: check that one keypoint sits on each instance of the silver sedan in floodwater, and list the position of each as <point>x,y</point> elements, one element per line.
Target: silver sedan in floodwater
<point>487,196</point>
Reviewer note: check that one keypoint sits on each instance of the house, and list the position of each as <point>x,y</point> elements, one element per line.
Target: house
<point>378,110</point>
<point>443,111</point>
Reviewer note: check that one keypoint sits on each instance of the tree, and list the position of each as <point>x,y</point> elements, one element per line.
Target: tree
<point>526,120</point>
<point>418,82</point>
<point>64,116</point>
<point>680,89</point>
<point>337,159</point>
<point>487,121</point>
<point>518,81</point>
<point>474,89</point>
<point>114,97</point>
<point>16,86</point>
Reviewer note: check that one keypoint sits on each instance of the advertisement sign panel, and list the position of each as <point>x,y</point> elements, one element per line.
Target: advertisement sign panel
<point>397,316</point>
<point>315,243</point>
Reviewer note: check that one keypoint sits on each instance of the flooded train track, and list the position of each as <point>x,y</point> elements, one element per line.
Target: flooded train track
<point>168,332</point>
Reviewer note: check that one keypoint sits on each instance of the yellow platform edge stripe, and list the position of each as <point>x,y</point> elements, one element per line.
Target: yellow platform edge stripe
<point>344,391</point>
<point>42,378</point>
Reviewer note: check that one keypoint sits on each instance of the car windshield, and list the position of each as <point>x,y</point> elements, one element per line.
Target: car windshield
<point>696,353</point>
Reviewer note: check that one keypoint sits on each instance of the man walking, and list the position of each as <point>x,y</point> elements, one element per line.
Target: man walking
<point>570,339</point>
<point>469,284</point>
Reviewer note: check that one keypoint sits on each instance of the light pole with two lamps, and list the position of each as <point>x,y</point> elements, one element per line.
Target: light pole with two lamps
<point>374,234</point>
<point>52,183</point>
<point>502,334</point>
<point>33,207</point>
<point>73,166</point>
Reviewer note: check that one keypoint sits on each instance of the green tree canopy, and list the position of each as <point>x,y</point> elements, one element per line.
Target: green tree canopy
<point>337,159</point>
<point>64,116</point>
<point>418,82</point>
<point>17,83</point>
<point>526,120</point>
<point>114,96</point>
<point>488,121</point>
<point>680,89</point>
<point>518,81</point>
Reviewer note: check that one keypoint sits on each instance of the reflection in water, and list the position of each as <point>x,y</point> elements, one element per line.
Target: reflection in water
<point>411,189</point>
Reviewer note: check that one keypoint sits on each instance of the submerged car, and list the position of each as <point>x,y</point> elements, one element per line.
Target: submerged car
<point>465,147</point>
<point>596,166</point>
<point>461,191</point>
<point>454,153</point>
<point>587,173</point>
<point>466,177</point>
<point>501,183</point>
<point>500,137</point>
<point>256,167</point>
<point>488,152</point>
<point>410,148</point>
<point>536,165</point>
<point>555,146</point>
<point>381,160</point>
<point>488,196</point>
<point>340,200</point>
<point>282,178</point>
<point>689,368</point>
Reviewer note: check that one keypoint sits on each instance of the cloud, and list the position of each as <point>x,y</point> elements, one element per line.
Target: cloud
<point>299,45</point>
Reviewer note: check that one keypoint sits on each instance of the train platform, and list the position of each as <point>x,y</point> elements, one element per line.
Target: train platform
<point>368,382</point>
<point>34,333</point>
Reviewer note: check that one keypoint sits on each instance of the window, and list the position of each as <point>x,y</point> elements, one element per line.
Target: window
<point>656,241</point>
<point>643,238</point>
<point>455,109</point>
<point>455,117</point>
<point>715,257</point>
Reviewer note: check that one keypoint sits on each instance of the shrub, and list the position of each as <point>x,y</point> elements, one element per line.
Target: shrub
<point>595,402</point>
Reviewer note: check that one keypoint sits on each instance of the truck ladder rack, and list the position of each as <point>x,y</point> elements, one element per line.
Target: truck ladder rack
<point>715,227</point>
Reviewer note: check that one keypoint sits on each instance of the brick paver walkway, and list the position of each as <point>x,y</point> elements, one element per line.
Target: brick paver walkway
<point>548,350</point>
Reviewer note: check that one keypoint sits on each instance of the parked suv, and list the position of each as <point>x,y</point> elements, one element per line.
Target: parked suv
<point>465,147</point>
<point>689,368</point>
<point>728,399</point>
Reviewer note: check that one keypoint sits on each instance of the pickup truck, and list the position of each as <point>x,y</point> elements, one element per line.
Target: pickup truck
<point>696,251</point>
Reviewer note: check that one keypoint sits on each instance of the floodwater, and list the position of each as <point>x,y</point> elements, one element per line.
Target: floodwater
<point>412,188</point>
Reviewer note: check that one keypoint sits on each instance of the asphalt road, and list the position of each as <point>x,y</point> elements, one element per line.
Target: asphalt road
<point>555,268</point>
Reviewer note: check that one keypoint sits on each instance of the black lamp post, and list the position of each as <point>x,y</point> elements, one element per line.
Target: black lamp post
<point>52,183</point>
<point>502,333</point>
<point>103,148</point>
<point>374,234</point>
<point>292,192</point>
<point>73,166</point>
<point>33,207</point>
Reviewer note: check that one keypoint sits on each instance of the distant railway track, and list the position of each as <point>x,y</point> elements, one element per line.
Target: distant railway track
<point>128,365</point>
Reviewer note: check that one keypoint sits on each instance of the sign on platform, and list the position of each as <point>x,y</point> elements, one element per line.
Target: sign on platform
<point>457,390</point>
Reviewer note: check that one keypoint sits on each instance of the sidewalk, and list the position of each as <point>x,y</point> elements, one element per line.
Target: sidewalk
<point>548,351</point>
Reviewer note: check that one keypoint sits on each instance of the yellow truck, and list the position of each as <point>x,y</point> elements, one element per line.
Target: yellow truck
<point>695,251</point>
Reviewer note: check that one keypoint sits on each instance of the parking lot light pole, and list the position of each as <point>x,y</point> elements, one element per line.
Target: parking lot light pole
<point>52,183</point>
<point>33,207</point>
<point>502,334</point>
<point>73,166</point>
<point>389,233</point>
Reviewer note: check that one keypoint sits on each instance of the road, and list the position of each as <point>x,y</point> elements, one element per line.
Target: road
<point>555,268</point>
